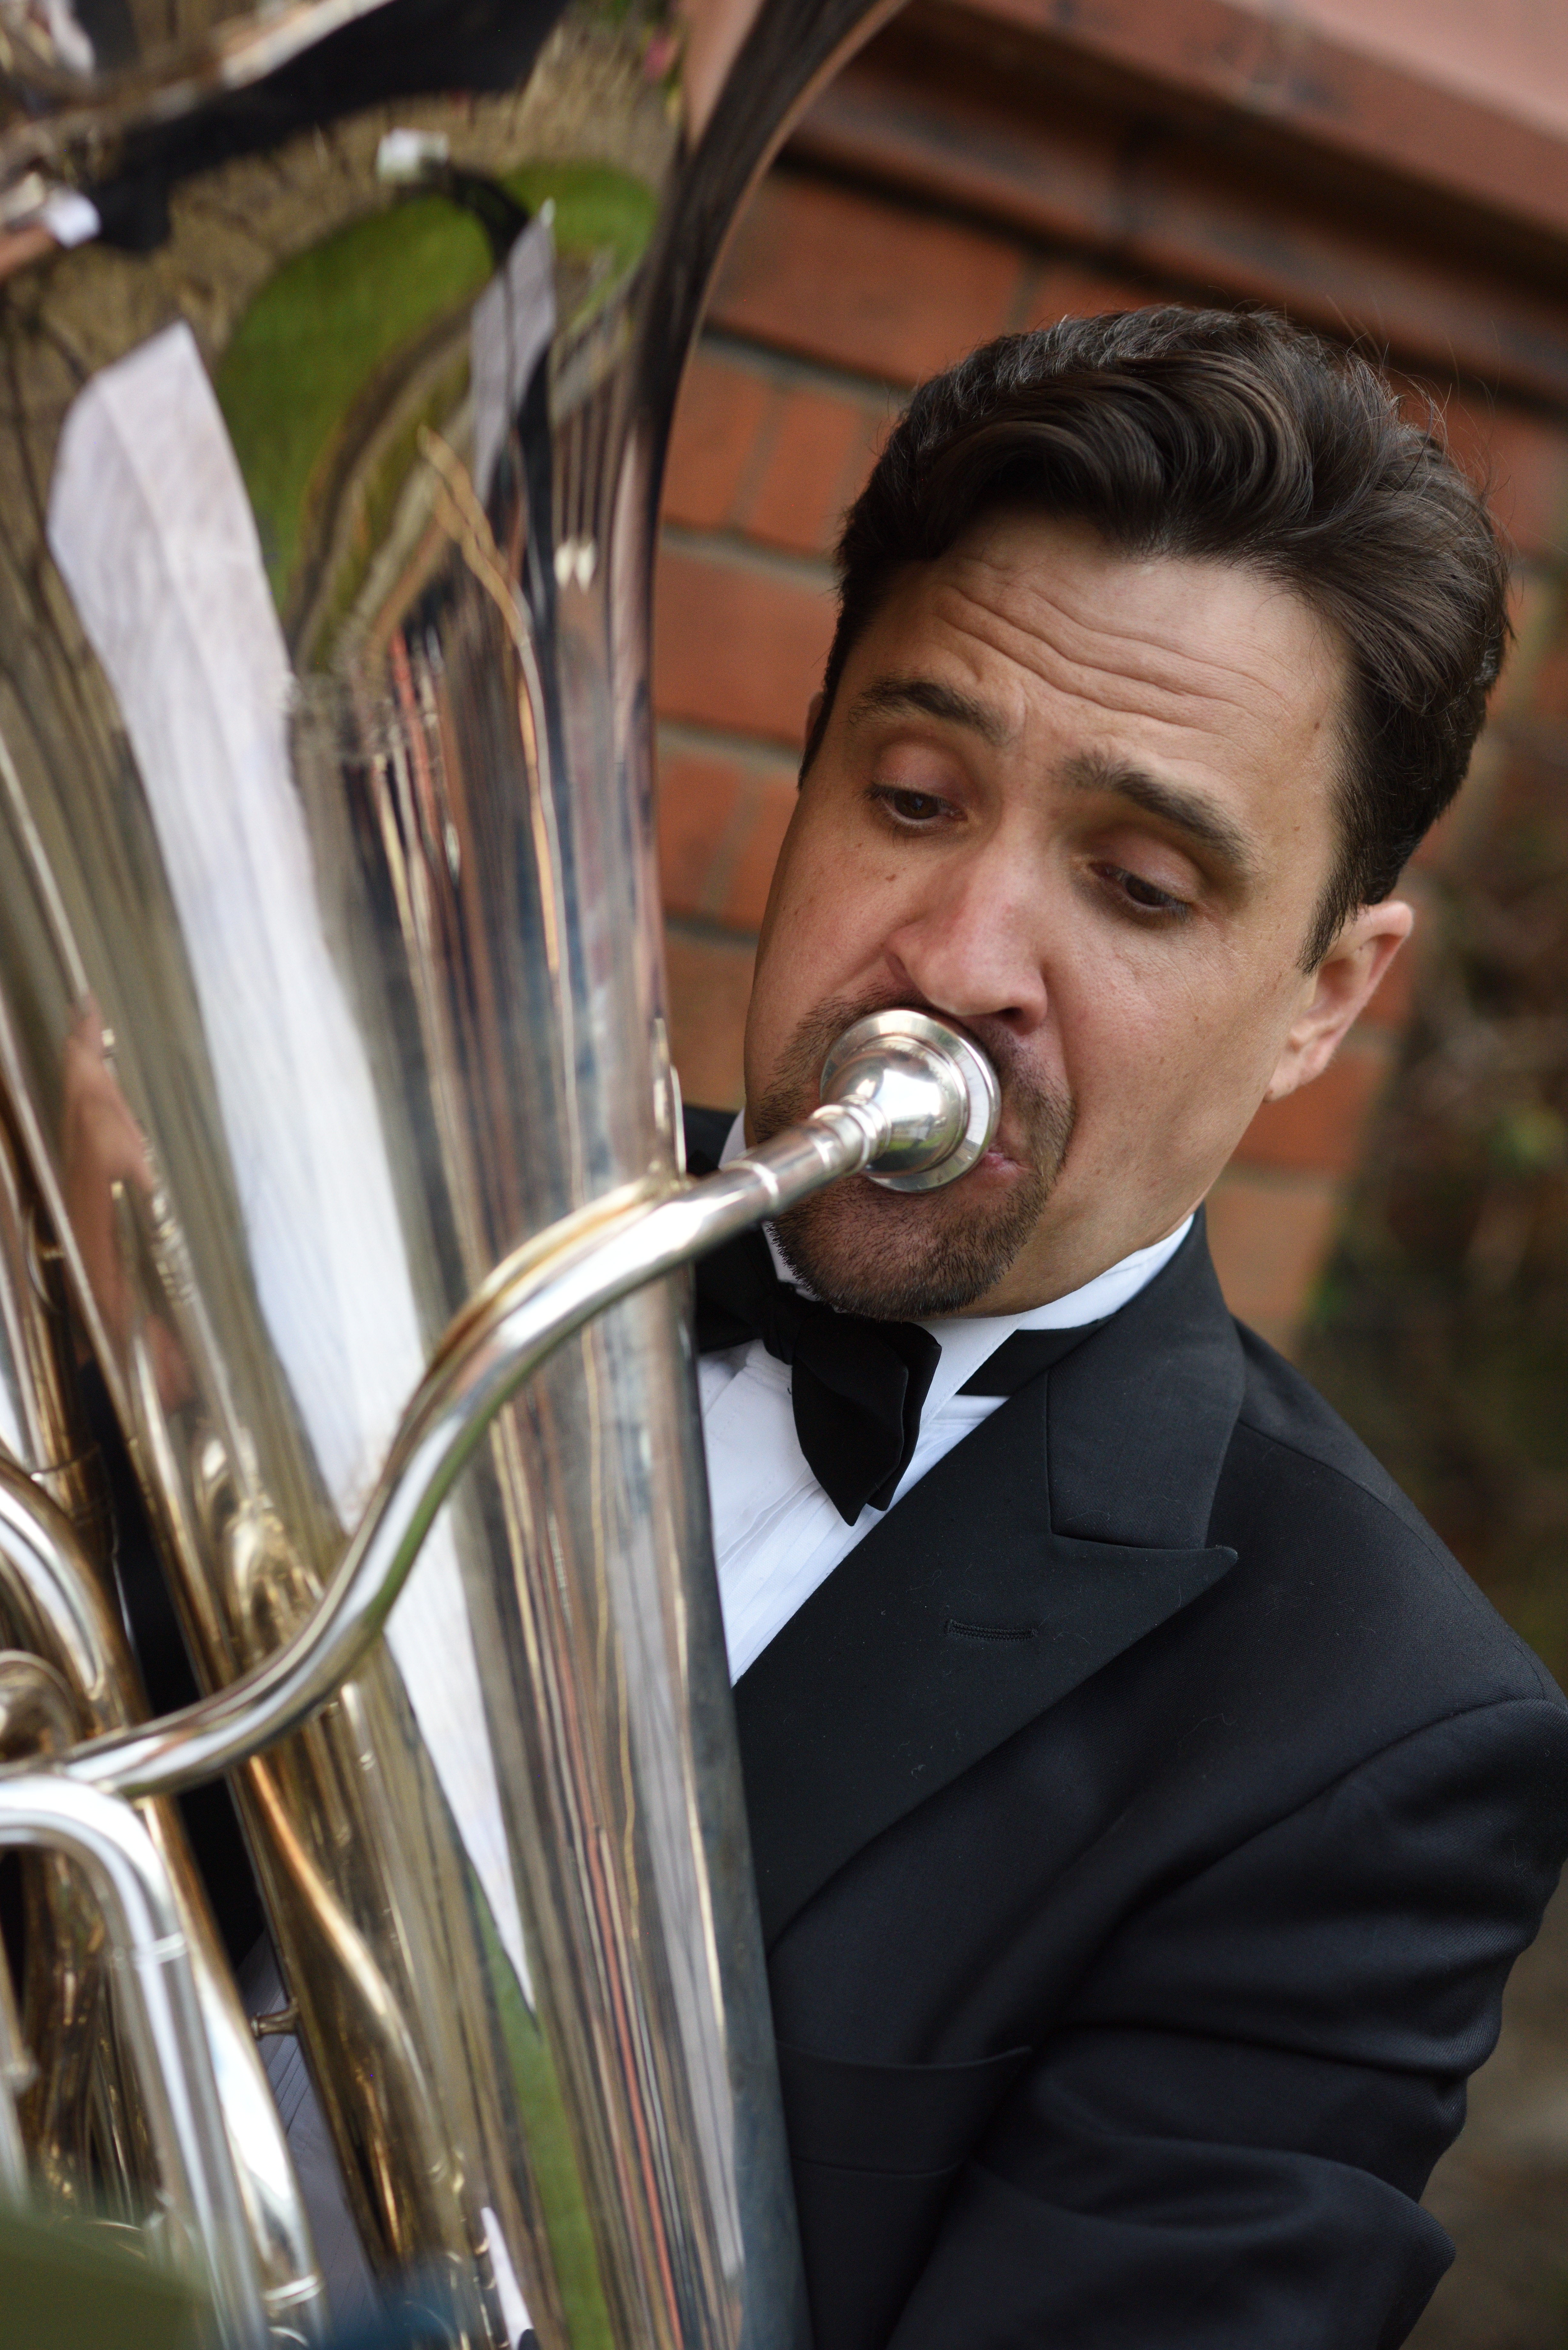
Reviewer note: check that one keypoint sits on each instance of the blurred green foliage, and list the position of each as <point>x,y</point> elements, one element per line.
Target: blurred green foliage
<point>1440,1328</point>
<point>67,2285</point>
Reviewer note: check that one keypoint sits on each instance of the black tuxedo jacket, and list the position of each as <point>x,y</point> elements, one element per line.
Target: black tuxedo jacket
<point>1146,1816</point>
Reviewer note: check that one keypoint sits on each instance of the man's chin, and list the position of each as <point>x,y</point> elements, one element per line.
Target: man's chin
<point>911,1256</point>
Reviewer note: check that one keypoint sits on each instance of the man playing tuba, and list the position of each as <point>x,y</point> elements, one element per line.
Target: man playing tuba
<point>1147,1809</point>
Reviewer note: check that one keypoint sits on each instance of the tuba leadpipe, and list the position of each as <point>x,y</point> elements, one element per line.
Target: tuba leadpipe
<point>926,1112</point>
<point>331,1023</point>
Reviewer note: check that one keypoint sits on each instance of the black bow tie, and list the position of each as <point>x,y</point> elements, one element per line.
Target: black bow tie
<point>857,1385</point>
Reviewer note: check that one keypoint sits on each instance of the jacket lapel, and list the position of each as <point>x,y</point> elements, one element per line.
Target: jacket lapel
<point>706,1132</point>
<point>1068,1526</point>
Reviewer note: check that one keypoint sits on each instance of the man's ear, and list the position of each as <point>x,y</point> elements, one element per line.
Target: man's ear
<point>1342,983</point>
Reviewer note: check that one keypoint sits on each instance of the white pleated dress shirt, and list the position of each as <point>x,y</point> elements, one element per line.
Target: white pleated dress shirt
<point>776,1535</point>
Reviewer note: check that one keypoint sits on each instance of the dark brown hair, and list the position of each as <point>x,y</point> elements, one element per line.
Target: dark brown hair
<point>1234,436</point>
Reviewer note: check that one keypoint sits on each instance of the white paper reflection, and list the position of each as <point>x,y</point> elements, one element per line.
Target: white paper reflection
<point>152,531</point>
<point>509,331</point>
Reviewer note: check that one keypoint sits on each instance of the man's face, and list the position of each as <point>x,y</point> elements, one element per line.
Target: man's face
<point>1084,807</point>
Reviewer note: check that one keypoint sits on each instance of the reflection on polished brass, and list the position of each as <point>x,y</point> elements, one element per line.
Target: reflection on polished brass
<point>81,2125</point>
<point>36,1717</point>
<point>162,66</point>
<point>199,2220</point>
<point>41,1426</point>
<point>48,2111</point>
<point>52,1601</point>
<point>330,984</point>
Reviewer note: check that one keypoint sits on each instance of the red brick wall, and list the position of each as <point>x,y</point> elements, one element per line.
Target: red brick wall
<point>834,298</point>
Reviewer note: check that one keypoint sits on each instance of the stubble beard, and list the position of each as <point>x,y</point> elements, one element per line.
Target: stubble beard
<point>911,1256</point>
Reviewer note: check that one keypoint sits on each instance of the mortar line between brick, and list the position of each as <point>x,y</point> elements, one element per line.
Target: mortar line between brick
<point>729,549</point>
<point>899,190</point>
<point>684,737</point>
<point>703,930</point>
<point>782,366</point>
<point>736,831</point>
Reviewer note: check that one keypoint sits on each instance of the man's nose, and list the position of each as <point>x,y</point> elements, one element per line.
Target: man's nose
<point>974,947</point>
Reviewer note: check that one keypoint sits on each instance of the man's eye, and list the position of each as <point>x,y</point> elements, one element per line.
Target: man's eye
<point>908,807</point>
<point>1143,894</point>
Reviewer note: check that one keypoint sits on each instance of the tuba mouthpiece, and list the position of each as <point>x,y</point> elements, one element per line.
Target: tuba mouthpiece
<point>933,1089</point>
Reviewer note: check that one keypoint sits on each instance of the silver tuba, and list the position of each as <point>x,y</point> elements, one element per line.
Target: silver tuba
<point>338,345</point>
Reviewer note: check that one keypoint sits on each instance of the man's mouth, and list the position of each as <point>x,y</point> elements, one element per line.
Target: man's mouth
<point>999,1161</point>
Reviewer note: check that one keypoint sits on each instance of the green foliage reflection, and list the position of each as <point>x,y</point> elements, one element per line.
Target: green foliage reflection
<point>314,342</point>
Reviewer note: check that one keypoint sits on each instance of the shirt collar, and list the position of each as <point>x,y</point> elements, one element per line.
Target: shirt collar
<point>969,1340</point>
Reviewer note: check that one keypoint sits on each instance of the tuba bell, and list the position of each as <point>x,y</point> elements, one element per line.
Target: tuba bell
<point>341,342</point>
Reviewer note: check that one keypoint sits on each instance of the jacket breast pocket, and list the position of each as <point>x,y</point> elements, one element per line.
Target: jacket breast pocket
<point>875,2149</point>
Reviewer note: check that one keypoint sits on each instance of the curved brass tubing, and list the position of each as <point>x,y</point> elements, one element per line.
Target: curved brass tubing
<point>550,1288</point>
<point>201,2198</point>
<point>539,1296</point>
<point>37,1717</point>
<point>63,2012</point>
<point>55,1607</point>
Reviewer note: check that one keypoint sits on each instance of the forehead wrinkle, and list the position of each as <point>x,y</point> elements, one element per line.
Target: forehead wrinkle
<point>1119,692</point>
<point>1154,670</point>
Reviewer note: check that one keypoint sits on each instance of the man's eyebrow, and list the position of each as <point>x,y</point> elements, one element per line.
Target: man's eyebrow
<point>1191,812</point>
<point>927,697</point>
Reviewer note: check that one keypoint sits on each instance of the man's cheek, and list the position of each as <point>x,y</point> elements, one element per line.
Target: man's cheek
<point>811,914</point>
<point>1152,1093</point>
